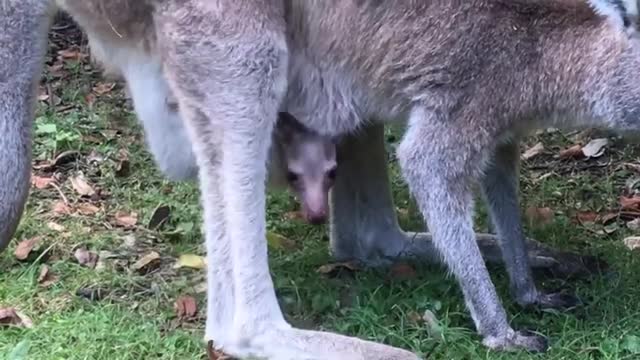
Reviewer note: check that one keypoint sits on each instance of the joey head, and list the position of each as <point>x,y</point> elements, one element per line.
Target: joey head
<point>308,164</point>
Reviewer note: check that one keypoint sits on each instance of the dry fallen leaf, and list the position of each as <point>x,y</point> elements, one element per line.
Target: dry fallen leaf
<point>103,88</point>
<point>574,152</point>
<point>12,317</point>
<point>86,258</point>
<point>402,271</point>
<point>201,288</point>
<point>129,241</point>
<point>41,182</point>
<point>90,99</point>
<point>277,241</point>
<point>55,69</point>
<point>55,226</point>
<point>215,354</point>
<point>191,261</point>
<point>634,167</point>
<point>125,219</point>
<point>630,203</point>
<point>43,95</point>
<point>607,218</point>
<point>539,216</point>
<point>532,152</point>
<point>186,307</point>
<point>334,269</point>
<point>293,215</point>
<point>634,224</point>
<point>402,212</point>
<point>587,217</point>
<point>81,186</point>
<point>414,318</point>
<point>87,209</point>
<point>595,148</point>
<point>72,54</point>
<point>432,324</point>
<point>632,243</point>
<point>146,262</point>
<point>60,208</point>
<point>25,247</point>
<point>46,277</point>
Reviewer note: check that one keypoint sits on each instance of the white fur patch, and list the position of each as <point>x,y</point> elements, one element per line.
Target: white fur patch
<point>631,6</point>
<point>607,9</point>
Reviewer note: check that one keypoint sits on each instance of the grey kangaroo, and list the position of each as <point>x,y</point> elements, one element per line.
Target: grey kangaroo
<point>470,76</point>
<point>299,159</point>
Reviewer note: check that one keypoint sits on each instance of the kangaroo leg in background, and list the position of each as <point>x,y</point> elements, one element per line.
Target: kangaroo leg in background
<point>23,43</point>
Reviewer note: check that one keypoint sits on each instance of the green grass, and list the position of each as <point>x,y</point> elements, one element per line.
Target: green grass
<point>136,319</point>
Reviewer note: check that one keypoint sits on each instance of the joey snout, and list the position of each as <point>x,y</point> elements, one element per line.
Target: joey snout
<point>315,204</point>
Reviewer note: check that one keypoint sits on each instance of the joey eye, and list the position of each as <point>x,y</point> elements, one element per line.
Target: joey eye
<point>292,177</point>
<point>331,174</point>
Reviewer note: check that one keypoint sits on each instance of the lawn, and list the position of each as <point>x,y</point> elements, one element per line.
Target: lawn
<point>102,280</point>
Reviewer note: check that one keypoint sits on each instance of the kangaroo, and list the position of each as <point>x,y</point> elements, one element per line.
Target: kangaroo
<point>469,77</point>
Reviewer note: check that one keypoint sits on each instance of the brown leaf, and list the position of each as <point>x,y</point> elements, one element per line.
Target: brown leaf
<point>402,271</point>
<point>574,152</point>
<point>125,219</point>
<point>587,217</point>
<point>533,151</point>
<point>215,354</point>
<point>630,203</point>
<point>634,167</point>
<point>72,54</point>
<point>60,208</point>
<point>90,99</point>
<point>86,258</point>
<point>103,88</point>
<point>81,186</point>
<point>414,318</point>
<point>40,182</point>
<point>539,216</point>
<point>87,209</point>
<point>335,269</point>
<point>607,218</point>
<point>147,262</point>
<point>293,215</point>
<point>55,69</point>
<point>25,247</point>
<point>12,317</point>
<point>186,307</point>
<point>43,95</point>
<point>46,277</point>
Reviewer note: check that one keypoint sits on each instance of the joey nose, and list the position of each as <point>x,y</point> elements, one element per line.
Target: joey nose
<point>316,218</point>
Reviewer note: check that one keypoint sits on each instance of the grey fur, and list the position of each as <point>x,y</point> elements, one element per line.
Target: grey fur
<point>335,64</point>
